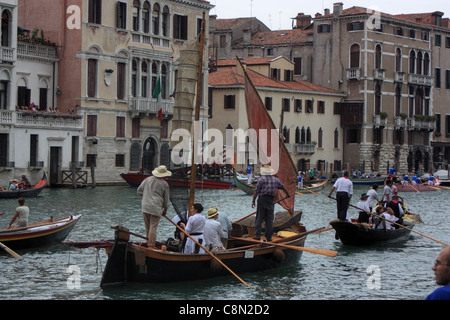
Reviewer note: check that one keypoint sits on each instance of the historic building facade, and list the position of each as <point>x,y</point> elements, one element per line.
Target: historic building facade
<point>113,57</point>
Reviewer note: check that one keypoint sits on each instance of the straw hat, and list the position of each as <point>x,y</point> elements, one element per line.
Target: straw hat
<point>267,170</point>
<point>212,212</point>
<point>161,172</point>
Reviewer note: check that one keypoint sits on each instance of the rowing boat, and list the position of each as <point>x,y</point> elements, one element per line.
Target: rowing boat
<point>39,234</point>
<point>25,193</point>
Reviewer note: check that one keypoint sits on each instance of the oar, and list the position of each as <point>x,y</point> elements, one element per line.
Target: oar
<point>304,189</point>
<point>398,224</point>
<point>208,252</point>
<point>328,253</point>
<point>15,255</point>
<point>415,188</point>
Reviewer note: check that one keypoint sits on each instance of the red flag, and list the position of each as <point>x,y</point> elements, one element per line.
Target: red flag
<point>160,115</point>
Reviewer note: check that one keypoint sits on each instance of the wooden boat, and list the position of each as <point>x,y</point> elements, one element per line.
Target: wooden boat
<point>130,262</point>
<point>250,189</point>
<point>134,179</point>
<point>415,188</point>
<point>39,234</point>
<point>366,181</point>
<point>359,234</point>
<point>26,193</point>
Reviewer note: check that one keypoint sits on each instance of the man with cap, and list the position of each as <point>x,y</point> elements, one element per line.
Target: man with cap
<point>155,201</point>
<point>363,208</point>
<point>265,192</point>
<point>213,231</point>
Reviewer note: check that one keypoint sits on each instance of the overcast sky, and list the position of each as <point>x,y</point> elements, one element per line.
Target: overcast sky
<point>277,14</point>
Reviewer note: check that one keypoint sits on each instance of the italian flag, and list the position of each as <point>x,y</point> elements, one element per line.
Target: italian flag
<point>157,96</point>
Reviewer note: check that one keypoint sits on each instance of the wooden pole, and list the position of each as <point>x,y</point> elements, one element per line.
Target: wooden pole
<point>11,252</point>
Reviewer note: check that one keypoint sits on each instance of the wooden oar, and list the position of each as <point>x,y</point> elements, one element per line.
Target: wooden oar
<point>304,189</point>
<point>208,252</point>
<point>415,188</point>
<point>15,255</point>
<point>398,224</point>
<point>328,253</point>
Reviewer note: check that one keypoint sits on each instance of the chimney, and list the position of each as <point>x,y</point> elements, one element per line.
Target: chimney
<point>326,12</point>
<point>337,8</point>
<point>302,20</point>
<point>247,36</point>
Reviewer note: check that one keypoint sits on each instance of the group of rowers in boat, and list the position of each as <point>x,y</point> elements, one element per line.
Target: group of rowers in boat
<point>386,217</point>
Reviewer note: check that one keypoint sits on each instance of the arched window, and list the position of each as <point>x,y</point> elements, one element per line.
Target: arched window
<point>398,100</point>
<point>426,65</point>
<point>297,135</point>
<point>308,135</point>
<point>155,18</point>
<point>134,78</point>
<point>136,13</point>
<point>377,98</point>
<point>378,55</point>
<point>164,81</point>
<point>419,63</point>
<point>354,56</point>
<point>303,135</point>
<point>286,134</point>
<point>336,138</point>
<point>398,60</point>
<point>146,17</point>
<point>412,62</point>
<point>154,76</point>
<point>165,22</point>
<point>144,79</point>
<point>6,28</point>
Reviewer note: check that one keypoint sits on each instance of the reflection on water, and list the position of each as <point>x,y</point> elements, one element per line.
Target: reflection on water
<point>405,268</point>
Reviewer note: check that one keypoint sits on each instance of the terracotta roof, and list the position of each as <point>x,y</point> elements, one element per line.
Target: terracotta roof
<point>425,19</point>
<point>279,37</point>
<point>229,77</point>
<point>248,61</point>
<point>229,24</point>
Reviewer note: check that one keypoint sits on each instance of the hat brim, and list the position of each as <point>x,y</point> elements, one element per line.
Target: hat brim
<point>161,175</point>
<point>267,171</point>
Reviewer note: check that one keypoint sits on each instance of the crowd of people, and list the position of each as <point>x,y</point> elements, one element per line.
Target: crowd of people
<point>15,184</point>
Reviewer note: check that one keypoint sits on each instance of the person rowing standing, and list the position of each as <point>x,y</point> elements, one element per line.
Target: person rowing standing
<point>344,192</point>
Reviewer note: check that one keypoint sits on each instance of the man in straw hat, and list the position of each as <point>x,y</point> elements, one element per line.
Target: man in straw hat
<point>265,192</point>
<point>155,201</point>
<point>213,233</point>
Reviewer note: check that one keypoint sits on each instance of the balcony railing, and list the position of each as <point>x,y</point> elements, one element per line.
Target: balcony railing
<point>30,50</point>
<point>146,105</point>
<point>306,148</point>
<point>353,74</point>
<point>7,54</point>
<point>378,74</point>
<point>49,120</point>
<point>378,121</point>
<point>399,77</point>
<point>420,79</point>
<point>146,38</point>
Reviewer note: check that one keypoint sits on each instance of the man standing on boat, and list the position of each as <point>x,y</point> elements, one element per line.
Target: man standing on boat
<point>21,214</point>
<point>155,201</point>
<point>344,192</point>
<point>441,270</point>
<point>265,192</point>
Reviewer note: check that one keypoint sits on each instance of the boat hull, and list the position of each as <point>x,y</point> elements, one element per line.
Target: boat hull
<point>135,179</point>
<point>130,263</point>
<point>415,188</point>
<point>366,182</point>
<point>35,236</point>
<point>25,193</point>
<point>358,235</point>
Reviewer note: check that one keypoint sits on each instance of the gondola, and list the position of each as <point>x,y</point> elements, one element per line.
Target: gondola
<point>360,234</point>
<point>365,181</point>
<point>415,188</point>
<point>39,234</point>
<point>25,193</point>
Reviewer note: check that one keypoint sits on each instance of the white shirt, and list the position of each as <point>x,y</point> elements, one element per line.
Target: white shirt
<point>213,233</point>
<point>226,224</point>
<point>344,185</point>
<point>373,198</point>
<point>387,193</point>
<point>363,206</point>
<point>196,224</point>
<point>388,218</point>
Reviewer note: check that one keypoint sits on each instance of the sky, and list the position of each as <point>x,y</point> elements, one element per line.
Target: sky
<point>277,14</point>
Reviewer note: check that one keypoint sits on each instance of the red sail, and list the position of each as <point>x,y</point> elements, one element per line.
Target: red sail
<point>259,119</point>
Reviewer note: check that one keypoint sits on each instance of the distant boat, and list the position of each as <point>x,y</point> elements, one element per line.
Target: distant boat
<point>39,234</point>
<point>366,181</point>
<point>134,179</point>
<point>25,193</point>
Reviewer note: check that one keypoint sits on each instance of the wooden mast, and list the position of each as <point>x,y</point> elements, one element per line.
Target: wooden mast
<point>197,117</point>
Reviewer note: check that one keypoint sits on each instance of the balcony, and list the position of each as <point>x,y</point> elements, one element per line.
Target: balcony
<point>353,74</point>
<point>400,122</point>
<point>36,51</point>
<point>379,121</point>
<point>378,74</point>
<point>7,54</point>
<point>146,38</point>
<point>48,120</point>
<point>305,148</point>
<point>417,123</point>
<point>151,106</point>
<point>420,79</point>
<point>399,77</point>
<point>6,117</point>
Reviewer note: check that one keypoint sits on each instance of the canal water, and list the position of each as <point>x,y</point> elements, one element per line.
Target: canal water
<point>399,271</point>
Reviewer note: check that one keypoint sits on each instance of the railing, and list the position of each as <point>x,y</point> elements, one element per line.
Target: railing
<point>353,74</point>
<point>307,148</point>
<point>45,119</point>
<point>378,74</point>
<point>145,38</point>
<point>399,77</point>
<point>7,117</point>
<point>37,51</point>
<point>152,106</point>
<point>7,54</point>
<point>420,79</point>
<point>378,121</point>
